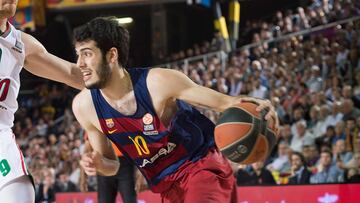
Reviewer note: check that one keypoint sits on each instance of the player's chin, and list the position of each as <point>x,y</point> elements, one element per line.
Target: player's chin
<point>8,12</point>
<point>91,85</point>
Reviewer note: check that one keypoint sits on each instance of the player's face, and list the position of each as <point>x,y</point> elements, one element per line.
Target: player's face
<point>7,8</point>
<point>93,65</point>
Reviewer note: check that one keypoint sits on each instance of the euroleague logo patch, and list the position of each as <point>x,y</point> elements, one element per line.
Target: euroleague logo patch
<point>147,119</point>
<point>149,128</point>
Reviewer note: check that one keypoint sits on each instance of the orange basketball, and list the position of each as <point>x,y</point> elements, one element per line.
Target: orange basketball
<point>243,135</point>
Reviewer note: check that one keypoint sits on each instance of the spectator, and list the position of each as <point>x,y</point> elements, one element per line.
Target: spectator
<point>327,138</point>
<point>303,137</point>
<point>260,175</point>
<point>349,110</point>
<point>352,175</point>
<point>354,162</point>
<point>44,190</point>
<point>339,132</point>
<point>347,93</point>
<point>326,172</point>
<point>299,172</point>
<point>321,125</point>
<point>315,82</point>
<point>311,155</point>
<point>335,115</point>
<point>281,162</point>
<point>340,153</point>
<point>279,108</point>
<point>285,134</point>
<point>258,90</point>
<point>351,131</point>
<point>63,184</point>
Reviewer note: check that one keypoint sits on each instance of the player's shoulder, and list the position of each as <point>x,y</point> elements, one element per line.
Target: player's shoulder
<point>27,39</point>
<point>159,74</point>
<point>82,101</point>
<point>32,45</point>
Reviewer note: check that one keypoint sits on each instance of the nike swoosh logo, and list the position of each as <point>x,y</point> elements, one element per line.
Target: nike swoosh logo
<point>111,131</point>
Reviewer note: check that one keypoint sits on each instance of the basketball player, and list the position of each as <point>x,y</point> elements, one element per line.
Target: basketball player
<point>146,113</point>
<point>18,49</point>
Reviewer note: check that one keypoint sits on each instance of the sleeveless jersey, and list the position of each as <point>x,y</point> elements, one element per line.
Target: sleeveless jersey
<point>12,57</point>
<point>155,149</point>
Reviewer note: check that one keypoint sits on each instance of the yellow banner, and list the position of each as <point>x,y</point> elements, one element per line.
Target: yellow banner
<point>24,3</point>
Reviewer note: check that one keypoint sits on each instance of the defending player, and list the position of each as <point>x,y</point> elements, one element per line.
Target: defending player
<point>18,49</point>
<point>146,113</point>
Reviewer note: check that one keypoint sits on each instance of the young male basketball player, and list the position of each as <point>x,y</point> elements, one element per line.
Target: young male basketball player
<point>146,113</point>
<point>18,49</point>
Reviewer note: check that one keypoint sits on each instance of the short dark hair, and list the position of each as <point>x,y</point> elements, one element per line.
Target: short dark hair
<point>300,155</point>
<point>327,152</point>
<point>107,33</point>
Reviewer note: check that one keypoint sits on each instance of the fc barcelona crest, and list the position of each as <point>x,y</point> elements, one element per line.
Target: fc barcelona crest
<point>109,123</point>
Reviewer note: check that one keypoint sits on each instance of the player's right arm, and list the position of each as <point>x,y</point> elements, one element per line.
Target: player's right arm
<point>103,159</point>
<point>41,63</point>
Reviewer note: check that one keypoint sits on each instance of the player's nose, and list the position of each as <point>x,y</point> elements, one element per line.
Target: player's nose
<point>80,62</point>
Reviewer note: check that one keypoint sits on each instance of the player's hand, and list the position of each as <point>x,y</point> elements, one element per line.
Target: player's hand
<point>140,182</point>
<point>264,104</point>
<point>90,162</point>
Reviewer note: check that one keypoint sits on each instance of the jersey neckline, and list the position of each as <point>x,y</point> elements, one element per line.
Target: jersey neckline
<point>115,111</point>
<point>7,31</point>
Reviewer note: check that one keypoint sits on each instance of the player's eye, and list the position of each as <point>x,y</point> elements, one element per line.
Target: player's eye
<point>87,54</point>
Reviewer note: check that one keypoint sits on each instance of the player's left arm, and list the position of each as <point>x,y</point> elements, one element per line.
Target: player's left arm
<point>44,64</point>
<point>174,84</point>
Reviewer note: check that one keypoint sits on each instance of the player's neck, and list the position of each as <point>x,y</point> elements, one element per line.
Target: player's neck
<point>120,84</point>
<point>3,25</point>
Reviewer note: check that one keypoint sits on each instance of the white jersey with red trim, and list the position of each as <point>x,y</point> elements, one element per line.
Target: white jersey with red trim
<point>12,57</point>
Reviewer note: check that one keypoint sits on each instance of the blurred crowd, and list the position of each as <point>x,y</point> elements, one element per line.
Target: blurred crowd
<point>319,12</point>
<point>313,80</point>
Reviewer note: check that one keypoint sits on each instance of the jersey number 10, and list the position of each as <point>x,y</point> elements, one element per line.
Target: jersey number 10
<point>4,85</point>
<point>4,88</point>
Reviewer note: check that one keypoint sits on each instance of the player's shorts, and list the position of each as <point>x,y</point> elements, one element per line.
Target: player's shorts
<point>12,163</point>
<point>209,180</point>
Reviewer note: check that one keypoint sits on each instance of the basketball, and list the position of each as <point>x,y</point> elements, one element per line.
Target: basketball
<point>243,135</point>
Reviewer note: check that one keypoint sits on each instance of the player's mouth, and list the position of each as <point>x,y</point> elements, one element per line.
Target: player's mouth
<point>86,75</point>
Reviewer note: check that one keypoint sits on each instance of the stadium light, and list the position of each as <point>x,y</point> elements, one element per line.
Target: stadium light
<point>125,20</point>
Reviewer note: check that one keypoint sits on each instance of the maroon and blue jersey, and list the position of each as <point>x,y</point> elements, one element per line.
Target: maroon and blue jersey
<point>157,150</point>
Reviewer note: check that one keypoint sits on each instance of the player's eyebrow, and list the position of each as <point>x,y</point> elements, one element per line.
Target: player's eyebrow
<point>83,49</point>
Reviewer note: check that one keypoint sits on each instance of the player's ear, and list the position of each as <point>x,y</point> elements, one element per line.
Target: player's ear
<point>112,55</point>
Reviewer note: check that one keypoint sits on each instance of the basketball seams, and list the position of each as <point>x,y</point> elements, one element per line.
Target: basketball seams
<point>228,137</point>
<point>243,123</point>
<point>250,157</point>
<point>235,114</point>
<point>242,138</point>
<point>238,107</point>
